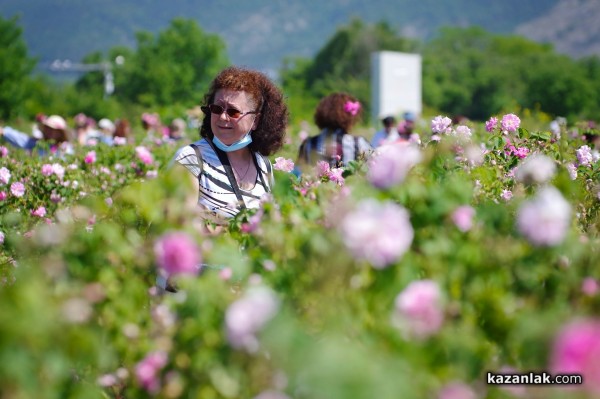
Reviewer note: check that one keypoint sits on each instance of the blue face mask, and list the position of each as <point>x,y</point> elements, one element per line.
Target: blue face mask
<point>241,143</point>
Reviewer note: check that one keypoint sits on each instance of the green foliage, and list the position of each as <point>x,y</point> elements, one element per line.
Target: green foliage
<point>343,63</point>
<point>174,67</point>
<point>15,67</point>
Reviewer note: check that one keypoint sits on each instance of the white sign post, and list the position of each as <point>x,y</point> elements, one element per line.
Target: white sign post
<point>396,84</point>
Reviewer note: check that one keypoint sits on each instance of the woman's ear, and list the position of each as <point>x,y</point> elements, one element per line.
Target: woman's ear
<point>256,121</point>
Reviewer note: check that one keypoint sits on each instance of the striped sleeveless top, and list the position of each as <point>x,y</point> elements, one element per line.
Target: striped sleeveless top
<point>216,195</point>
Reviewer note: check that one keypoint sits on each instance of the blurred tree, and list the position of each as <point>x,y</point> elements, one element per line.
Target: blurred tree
<point>477,74</point>
<point>175,67</point>
<point>343,63</point>
<point>15,67</point>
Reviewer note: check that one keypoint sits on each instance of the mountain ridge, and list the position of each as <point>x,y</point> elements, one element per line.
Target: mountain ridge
<point>261,33</point>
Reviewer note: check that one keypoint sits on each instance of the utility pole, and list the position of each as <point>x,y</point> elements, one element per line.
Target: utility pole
<point>105,67</point>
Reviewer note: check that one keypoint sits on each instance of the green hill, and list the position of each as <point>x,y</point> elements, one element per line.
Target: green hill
<point>258,33</point>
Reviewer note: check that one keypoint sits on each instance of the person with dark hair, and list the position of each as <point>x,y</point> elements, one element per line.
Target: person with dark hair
<point>335,115</point>
<point>387,134</point>
<point>54,132</point>
<point>245,121</point>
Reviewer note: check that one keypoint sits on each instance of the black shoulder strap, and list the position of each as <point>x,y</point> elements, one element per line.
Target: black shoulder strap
<point>356,147</point>
<point>229,172</point>
<point>197,151</point>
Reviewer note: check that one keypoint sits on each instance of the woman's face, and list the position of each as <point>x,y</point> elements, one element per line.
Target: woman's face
<point>226,128</point>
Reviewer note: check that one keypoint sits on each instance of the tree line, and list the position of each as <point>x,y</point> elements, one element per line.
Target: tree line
<point>466,71</point>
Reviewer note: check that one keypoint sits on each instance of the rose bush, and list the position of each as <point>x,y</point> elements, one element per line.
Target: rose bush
<point>306,298</point>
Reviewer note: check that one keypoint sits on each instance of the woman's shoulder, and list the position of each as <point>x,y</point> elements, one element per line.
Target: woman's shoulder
<point>188,151</point>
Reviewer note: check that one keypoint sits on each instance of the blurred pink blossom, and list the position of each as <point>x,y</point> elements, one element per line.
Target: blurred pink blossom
<point>90,157</point>
<point>47,169</point>
<point>3,151</point>
<point>590,286</point>
<point>418,309</point>
<point>491,124</point>
<point>4,175</point>
<point>1,238</point>
<point>3,195</point>
<point>463,217</point>
<point>271,394</point>
<point>576,350</point>
<point>441,125</point>
<point>584,155</point>
<point>322,169</point>
<point>283,164</point>
<point>39,212</point>
<point>245,317</point>
<point>17,189</point>
<point>536,168</point>
<point>335,175</point>
<point>457,390</point>
<point>510,122</point>
<point>147,371</point>
<point>572,169</point>
<point>506,195</point>
<point>144,155</point>
<point>544,220</point>
<point>390,164</point>
<point>177,253</point>
<point>379,233</point>
<point>463,131</point>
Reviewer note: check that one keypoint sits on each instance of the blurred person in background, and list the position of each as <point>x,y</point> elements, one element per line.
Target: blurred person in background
<point>54,140</point>
<point>335,115</point>
<point>123,134</point>
<point>387,134</point>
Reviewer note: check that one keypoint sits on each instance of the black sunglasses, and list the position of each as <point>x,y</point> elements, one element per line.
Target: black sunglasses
<point>233,113</point>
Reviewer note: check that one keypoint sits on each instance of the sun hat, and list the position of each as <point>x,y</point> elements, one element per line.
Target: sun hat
<point>55,122</point>
<point>106,124</point>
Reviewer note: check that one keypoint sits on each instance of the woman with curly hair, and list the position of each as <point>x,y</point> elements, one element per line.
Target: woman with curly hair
<point>335,115</point>
<point>245,121</point>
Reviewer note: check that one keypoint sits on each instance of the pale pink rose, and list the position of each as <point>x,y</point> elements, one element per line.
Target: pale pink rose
<point>147,371</point>
<point>457,390</point>
<point>545,219</point>
<point>379,233</point>
<point>17,189</point>
<point>576,350</point>
<point>584,155</point>
<point>463,217</point>
<point>39,212</point>
<point>177,253</point>
<point>3,151</point>
<point>47,169</point>
<point>245,317</point>
<point>1,238</point>
<point>58,170</point>
<point>322,169</point>
<point>4,175</point>
<point>120,140</point>
<point>391,163</point>
<point>144,155</point>
<point>491,124</point>
<point>283,164</point>
<point>90,157</point>
<point>536,168</point>
<point>510,122</point>
<point>572,169</point>
<point>419,311</point>
<point>335,175</point>
<point>463,131</point>
<point>441,125</point>
<point>506,195</point>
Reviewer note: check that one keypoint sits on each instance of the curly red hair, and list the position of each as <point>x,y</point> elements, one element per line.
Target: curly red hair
<point>268,99</point>
<point>331,112</point>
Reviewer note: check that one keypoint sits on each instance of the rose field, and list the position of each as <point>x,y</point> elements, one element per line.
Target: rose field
<point>410,274</point>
